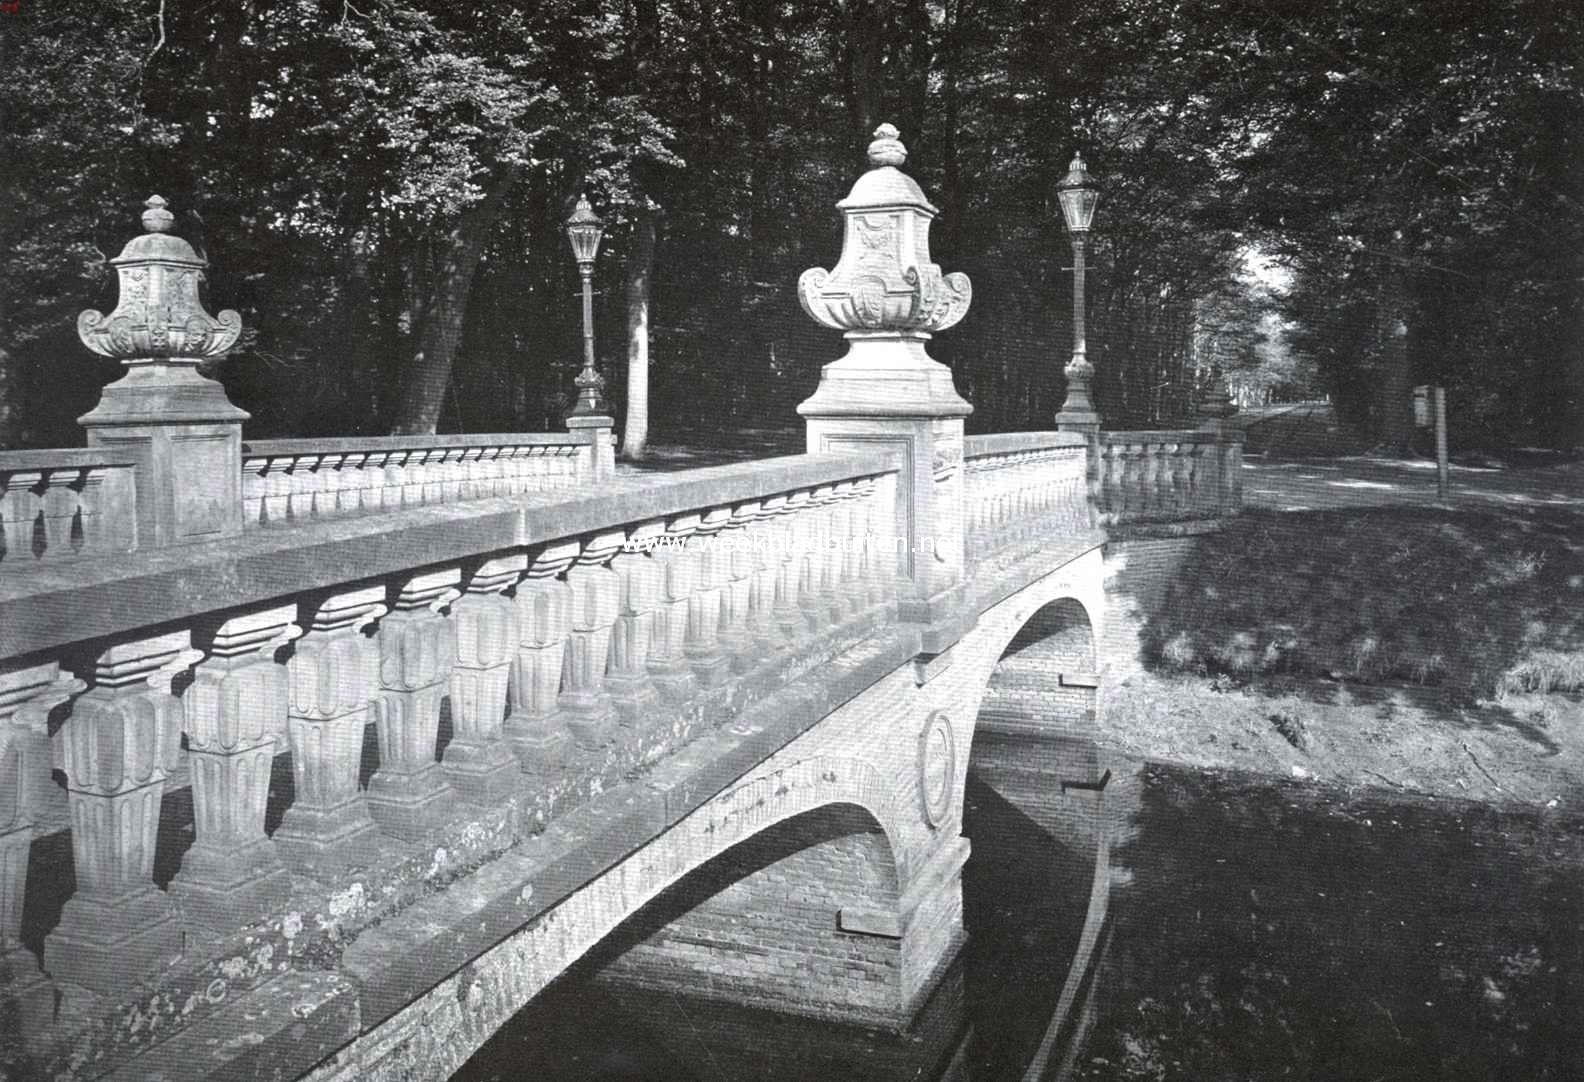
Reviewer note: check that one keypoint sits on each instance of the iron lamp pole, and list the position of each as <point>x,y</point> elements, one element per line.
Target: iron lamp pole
<point>1078,195</point>
<point>584,230</point>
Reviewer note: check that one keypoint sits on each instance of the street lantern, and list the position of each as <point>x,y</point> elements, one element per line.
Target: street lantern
<point>1078,195</point>
<point>584,230</point>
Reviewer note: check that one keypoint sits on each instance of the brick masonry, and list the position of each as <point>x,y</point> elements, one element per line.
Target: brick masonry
<point>867,752</point>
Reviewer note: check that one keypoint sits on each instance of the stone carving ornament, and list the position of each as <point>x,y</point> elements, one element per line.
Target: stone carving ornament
<point>937,767</point>
<point>884,282</point>
<point>159,315</point>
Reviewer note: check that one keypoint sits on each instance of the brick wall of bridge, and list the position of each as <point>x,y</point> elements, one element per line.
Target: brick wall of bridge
<point>759,925</point>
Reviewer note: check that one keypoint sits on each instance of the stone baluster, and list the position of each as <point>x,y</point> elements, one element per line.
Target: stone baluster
<point>596,590</point>
<point>478,760</point>
<point>642,580</point>
<point>23,987</point>
<point>232,874</point>
<point>544,620</point>
<point>119,925</point>
<point>333,677</point>
<point>709,662</point>
<point>408,795</point>
<point>740,543</point>
<point>768,553</point>
<point>27,696</point>
<point>861,555</point>
<point>668,660</point>
<point>792,579</point>
<point>833,604</point>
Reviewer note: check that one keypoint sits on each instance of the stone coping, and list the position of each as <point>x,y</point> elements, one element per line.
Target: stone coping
<point>341,444</point>
<point>1167,435</point>
<point>1008,442</point>
<point>53,606</point>
<point>64,458</point>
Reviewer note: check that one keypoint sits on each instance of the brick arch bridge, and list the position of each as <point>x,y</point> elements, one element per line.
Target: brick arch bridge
<point>323,757</point>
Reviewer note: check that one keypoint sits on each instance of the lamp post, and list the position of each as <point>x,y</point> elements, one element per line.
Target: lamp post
<point>584,230</point>
<point>1078,195</point>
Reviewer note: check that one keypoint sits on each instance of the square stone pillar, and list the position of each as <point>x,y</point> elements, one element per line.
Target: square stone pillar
<point>333,676</point>
<point>236,705</point>
<point>478,761</point>
<point>928,441</point>
<point>408,795</point>
<point>534,729</point>
<point>119,926</point>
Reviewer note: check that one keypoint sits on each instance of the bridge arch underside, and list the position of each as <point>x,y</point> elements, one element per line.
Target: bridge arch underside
<point>802,918</point>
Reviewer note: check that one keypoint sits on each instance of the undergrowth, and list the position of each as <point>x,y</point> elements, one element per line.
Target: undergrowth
<point>1481,603</point>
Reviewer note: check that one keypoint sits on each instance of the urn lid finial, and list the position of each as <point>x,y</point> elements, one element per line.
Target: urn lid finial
<point>887,148</point>
<point>157,219</point>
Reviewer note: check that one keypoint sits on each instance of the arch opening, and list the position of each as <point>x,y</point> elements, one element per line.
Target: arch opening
<point>780,957</point>
<point>1036,882</point>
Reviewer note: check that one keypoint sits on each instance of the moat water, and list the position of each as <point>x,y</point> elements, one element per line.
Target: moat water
<point>1252,929</point>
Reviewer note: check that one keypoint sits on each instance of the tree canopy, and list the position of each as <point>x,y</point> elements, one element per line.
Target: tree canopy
<point>380,187</point>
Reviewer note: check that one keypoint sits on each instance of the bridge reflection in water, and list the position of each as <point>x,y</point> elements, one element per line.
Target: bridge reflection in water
<point>1011,1005</point>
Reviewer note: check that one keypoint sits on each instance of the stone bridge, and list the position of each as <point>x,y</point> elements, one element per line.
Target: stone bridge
<point>322,758</point>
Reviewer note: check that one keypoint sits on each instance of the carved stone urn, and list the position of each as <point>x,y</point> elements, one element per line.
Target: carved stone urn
<point>887,296</point>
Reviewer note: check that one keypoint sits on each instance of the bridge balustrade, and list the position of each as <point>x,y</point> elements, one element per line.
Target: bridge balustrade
<point>58,504</point>
<point>1167,476</point>
<point>561,632</point>
<point>299,480</point>
<point>1023,488</point>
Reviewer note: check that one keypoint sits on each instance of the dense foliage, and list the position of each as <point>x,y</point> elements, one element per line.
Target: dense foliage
<point>380,188</point>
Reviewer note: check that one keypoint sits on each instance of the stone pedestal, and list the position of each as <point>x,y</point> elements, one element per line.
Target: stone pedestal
<point>119,926</point>
<point>333,676</point>
<point>478,761</point>
<point>544,619</point>
<point>586,705</point>
<point>599,430</point>
<point>235,708</point>
<point>408,795</point>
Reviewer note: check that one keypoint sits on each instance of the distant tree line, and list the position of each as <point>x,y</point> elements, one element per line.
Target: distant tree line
<point>381,187</point>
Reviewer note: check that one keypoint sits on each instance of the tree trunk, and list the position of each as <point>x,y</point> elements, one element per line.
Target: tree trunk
<point>1393,382</point>
<point>429,372</point>
<point>640,264</point>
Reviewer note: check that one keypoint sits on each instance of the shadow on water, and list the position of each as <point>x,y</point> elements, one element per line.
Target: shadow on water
<point>1275,930</point>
